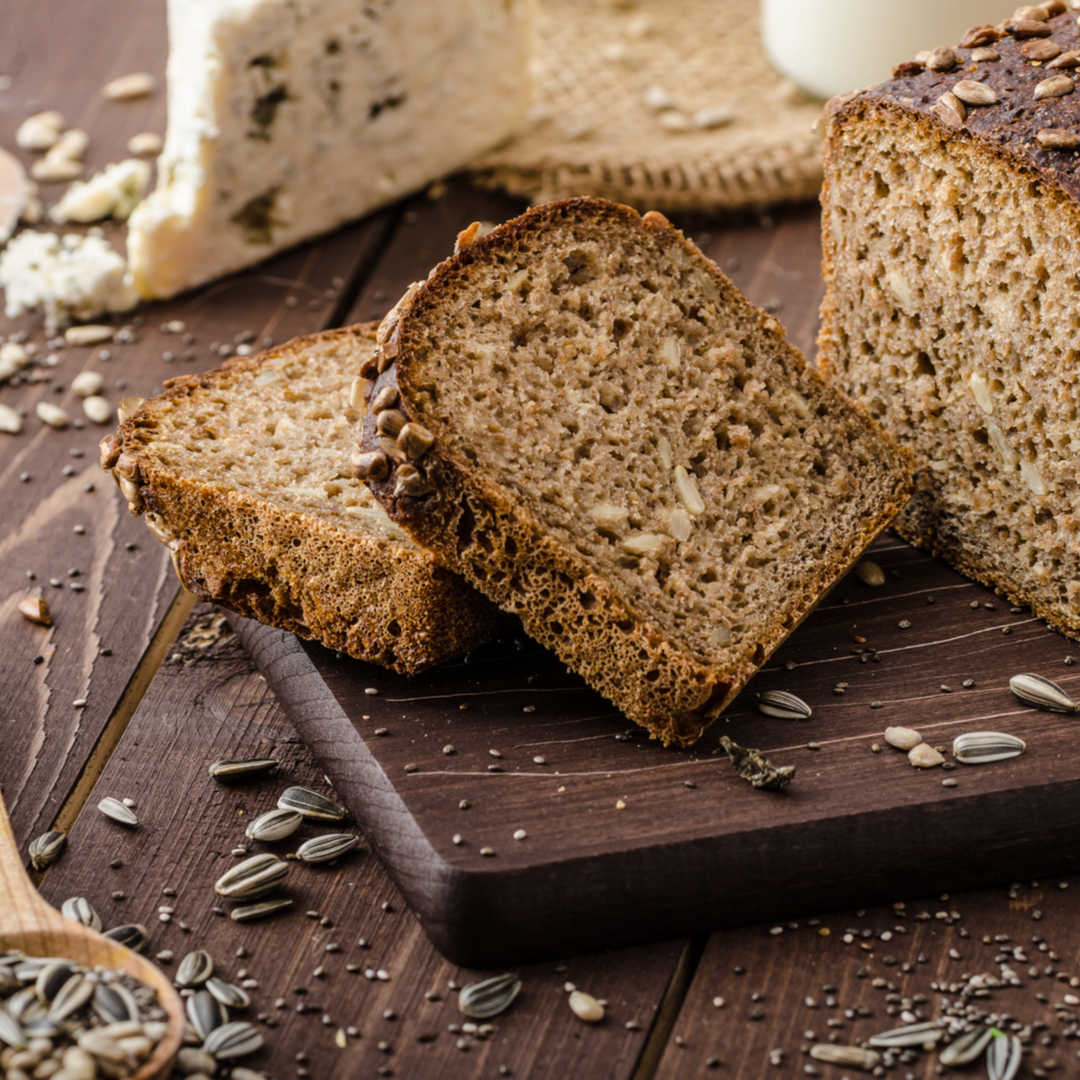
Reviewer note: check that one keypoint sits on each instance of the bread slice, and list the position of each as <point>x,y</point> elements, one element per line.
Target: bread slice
<point>951,209</point>
<point>584,417</point>
<point>240,471</point>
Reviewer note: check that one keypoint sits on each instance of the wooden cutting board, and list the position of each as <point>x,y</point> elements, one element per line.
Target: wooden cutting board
<point>597,837</point>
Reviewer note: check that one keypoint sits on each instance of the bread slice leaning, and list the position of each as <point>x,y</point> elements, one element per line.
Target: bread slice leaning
<point>584,417</point>
<point>240,472</point>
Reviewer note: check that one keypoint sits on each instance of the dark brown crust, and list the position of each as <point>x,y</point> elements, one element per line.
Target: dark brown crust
<point>484,534</point>
<point>374,599</point>
<point>1013,124</point>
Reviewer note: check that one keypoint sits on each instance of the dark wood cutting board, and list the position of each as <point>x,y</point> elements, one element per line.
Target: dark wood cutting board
<point>623,840</point>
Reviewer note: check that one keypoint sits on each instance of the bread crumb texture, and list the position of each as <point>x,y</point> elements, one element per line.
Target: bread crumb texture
<point>630,456</point>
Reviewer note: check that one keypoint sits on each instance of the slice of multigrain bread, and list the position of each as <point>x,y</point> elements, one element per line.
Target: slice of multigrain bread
<point>586,419</point>
<point>951,218</point>
<point>240,472</point>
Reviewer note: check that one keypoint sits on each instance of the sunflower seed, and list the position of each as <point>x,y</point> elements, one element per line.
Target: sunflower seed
<point>114,1003</point>
<point>247,912</point>
<point>11,1031</point>
<point>78,909</point>
<point>1003,1056</point>
<point>311,804</point>
<point>967,1048</point>
<point>321,849</point>
<point>118,812</point>
<point>1040,692</point>
<point>51,978</point>
<point>585,1007</point>
<point>784,705</point>
<point>46,849</point>
<point>923,1034</point>
<point>854,1057</point>
<point>975,93</point>
<point>195,968</point>
<point>205,1013</point>
<point>131,935</point>
<point>252,878</point>
<point>233,997</point>
<point>73,995</point>
<point>234,1040</point>
<point>869,573</point>
<point>903,738</point>
<point>1054,87</point>
<point>273,825</point>
<point>489,997</point>
<point>980,747</point>
<point>228,769</point>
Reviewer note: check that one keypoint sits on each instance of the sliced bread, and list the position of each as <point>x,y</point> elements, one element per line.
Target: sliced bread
<point>950,217</point>
<point>585,418</point>
<point>239,471</point>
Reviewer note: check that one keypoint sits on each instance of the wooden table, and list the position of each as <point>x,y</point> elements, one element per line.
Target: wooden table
<point>134,690</point>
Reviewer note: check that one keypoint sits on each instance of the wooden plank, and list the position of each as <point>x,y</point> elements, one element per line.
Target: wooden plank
<point>62,519</point>
<point>851,974</point>
<point>206,703</point>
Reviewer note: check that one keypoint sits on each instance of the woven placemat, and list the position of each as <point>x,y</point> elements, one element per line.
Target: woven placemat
<point>665,104</point>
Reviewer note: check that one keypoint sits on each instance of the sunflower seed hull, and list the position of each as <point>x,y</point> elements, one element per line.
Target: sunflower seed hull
<point>321,849</point>
<point>234,1040</point>
<point>195,968</point>
<point>1003,1057</point>
<point>78,909</point>
<point>132,936</point>
<point>46,849</point>
<point>781,704</point>
<point>1041,693</point>
<point>921,1034</point>
<point>273,825</point>
<point>982,747</point>
<point>252,878</point>
<point>116,811</point>
<point>205,1013</point>
<point>311,804</point>
<point>232,997</point>
<point>248,912</point>
<point>966,1049</point>
<point>489,997</point>
<point>852,1057</point>
<point>227,769</point>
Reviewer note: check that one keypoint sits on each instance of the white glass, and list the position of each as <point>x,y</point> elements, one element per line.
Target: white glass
<point>831,46</point>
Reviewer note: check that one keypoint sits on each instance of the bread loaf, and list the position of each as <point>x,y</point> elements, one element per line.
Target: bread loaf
<point>588,421</point>
<point>242,473</point>
<point>951,212</point>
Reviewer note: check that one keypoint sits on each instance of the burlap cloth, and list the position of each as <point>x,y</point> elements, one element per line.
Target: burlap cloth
<point>603,71</point>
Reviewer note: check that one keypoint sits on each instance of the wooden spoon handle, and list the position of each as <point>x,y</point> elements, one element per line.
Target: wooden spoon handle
<point>18,897</point>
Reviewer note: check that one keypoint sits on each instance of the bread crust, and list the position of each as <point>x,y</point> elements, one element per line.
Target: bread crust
<point>374,599</point>
<point>497,544</point>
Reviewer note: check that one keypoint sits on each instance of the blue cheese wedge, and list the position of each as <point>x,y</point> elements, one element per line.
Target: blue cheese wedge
<point>288,118</point>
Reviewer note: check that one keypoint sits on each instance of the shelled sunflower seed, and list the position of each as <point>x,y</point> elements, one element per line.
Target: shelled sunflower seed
<point>273,825</point>
<point>252,878</point>
<point>489,997</point>
<point>320,849</point>
<point>116,811</point>
<point>784,705</point>
<point>311,805</point>
<point>982,747</point>
<point>46,849</point>
<point>50,1012</point>
<point>229,769</point>
<point>79,909</point>
<point>1042,693</point>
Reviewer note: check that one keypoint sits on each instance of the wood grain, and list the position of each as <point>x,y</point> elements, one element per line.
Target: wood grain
<point>851,973</point>
<point>207,703</point>
<point>62,519</point>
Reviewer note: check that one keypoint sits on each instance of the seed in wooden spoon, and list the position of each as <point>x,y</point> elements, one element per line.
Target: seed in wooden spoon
<point>116,811</point>
<point>72,996</point>
<point>903,738</point>
<point>114,1003</point>
<point>311,804</point>
<point>586,1007</point>
<point>46,849</point>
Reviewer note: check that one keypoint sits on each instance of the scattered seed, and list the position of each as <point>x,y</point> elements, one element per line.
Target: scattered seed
<point>902,738</point>
<point>967,1048</point>
<point>227,769</point>
<point>252,878</point>
<point>125,87</point>
<point>145,144</point>
<point>320,849</point>
<point>981,747</point>
<point>1003,1056</point>
<point>51,414</point>
<point>88,334</point>
<point>78,909</point>
<point>248,912</point>
<point>98,409</point>
<point>585,1007</point>
<point>1042,693</point>
<point>46,849</point>
<point>311,804</point>
<point>784,705</point>
<point>853,1057</point>
<point>36,610</point>
<point>232,997</point>
<point>131,935</point>
<point>869,573</point>
<point>233,1040</point>
<point>195,968</point>
<point>116,811</point>
<point>925,1033</point>
<point>273,825</point>
<point>489,997</point>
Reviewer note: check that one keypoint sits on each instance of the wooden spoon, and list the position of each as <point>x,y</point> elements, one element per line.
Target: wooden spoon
<point>29,924</point>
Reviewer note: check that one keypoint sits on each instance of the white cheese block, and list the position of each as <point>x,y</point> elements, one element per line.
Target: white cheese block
<point>289,117</point>
<point>71,278</point>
